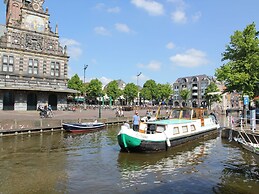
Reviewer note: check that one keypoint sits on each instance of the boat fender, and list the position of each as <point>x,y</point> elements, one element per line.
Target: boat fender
<point>168,143</point>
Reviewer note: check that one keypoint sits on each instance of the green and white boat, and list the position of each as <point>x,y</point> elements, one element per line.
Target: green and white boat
<point>184,125</point>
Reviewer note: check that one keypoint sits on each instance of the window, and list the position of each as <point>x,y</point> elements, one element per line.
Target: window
<point>65,69</point>
<point>35,70</point>
<point>33,66</point>
<point>54,69</point>
<point>8,63</point>
<point>185,129</point>
<point>176,130</point>
<point>44,67</point>
<point>193,128</point>
<point>21,64</point>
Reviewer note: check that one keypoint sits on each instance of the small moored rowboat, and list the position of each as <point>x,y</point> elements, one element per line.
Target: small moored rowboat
<point>82,127</point>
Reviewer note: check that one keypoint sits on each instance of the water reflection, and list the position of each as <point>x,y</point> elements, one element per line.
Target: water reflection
<point>93,163</point>
<point>27,164</point>
<point>164,167</point>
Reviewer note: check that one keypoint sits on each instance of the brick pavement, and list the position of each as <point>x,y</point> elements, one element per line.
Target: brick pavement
<point>84,114</point>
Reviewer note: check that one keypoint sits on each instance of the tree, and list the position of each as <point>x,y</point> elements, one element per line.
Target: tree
<point>130,92</point>
<point>94,89</point>
<point>149,90</point>
<point>212,94</point>
<point>241,72</point>
<point>164,91</point>
<point>185,94</point>
<point>76,83</point>
<point>112,90</point>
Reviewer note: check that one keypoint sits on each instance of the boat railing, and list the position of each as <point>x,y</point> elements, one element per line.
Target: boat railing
<point>188,113</point>
<point>242,123</point>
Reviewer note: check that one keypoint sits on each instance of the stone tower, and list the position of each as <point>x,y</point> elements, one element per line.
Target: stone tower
<point>33,64</point>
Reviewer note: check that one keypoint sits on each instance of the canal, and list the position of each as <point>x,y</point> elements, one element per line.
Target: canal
<point>58,162</point>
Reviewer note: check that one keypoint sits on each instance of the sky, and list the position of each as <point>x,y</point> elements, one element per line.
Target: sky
<point>161,39</point>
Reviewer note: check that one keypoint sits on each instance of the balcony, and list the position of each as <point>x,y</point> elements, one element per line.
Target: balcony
<point>195,88</point>
<point>195,94</point>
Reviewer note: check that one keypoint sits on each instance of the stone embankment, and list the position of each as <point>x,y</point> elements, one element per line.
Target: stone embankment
<point>20,122</point>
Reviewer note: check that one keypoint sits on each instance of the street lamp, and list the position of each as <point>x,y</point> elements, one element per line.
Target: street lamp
<point>85,67</point>
<point>138,88</point>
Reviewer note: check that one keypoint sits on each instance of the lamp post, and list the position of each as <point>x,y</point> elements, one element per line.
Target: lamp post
<point>138,87</point>
<point>85,67</point>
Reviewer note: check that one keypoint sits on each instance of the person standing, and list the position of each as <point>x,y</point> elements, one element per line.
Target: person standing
<point>136,120</point>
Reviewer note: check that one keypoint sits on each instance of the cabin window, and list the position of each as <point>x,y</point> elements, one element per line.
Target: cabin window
<point>160,129</point>
<point>187,114</point>
<point>176,114</point>
<point>151,129</point>
<point>176,130</point>
<point>185,129</point>
<point>193,128</point>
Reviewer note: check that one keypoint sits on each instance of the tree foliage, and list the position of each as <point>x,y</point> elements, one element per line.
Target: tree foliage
<point>130,92</point>
<point>185,94</point>
<point>164,91</point>
<point>94,89</point>
<point>211,94</point>
<point>112,90</point>
<point>76,83</point>
<point>149,90</point>
<point>241,72</point>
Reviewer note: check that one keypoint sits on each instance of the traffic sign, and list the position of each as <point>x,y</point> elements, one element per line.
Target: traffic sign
<point>246,100</point>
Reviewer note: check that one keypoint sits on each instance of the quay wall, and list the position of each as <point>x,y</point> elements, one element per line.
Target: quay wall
<point>14,126</point>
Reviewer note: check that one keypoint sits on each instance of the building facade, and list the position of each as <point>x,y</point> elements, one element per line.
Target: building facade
<point>196,85</point>
<point>33,65</point>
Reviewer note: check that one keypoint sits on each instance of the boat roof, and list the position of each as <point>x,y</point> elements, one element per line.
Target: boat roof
<point>170,121</point>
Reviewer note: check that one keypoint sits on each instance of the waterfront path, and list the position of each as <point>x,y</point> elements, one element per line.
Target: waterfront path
<point>78,114</point>
<point>13,122</point>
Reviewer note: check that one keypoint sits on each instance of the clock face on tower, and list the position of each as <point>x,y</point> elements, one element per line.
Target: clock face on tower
<point>37,4</point>
<point>34,23</point>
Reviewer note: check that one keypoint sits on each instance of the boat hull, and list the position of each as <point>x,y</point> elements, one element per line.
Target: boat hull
<point>82,127</point>
<point>250,148</point>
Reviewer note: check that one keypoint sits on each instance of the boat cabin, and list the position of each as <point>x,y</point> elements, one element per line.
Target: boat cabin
<point>179,117</point>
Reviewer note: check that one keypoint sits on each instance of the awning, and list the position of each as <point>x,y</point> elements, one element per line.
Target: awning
<point>41,89</point>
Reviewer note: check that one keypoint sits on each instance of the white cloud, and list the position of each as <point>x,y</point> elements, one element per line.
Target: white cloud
<point>191,58</point>
<point>100,6</point>
<point>105,80</point>
<point>196,16</point>
<point>103,7</point>
<point>73,47</point>
<point>113,10</point>
<point>122,27</point>
<point>69,42</point>
<point>179,16</point>
<point>102,31</point>
<point>180,4</point>
<point>153,66</point>
<point>170,45</point>
<point>152,7</point>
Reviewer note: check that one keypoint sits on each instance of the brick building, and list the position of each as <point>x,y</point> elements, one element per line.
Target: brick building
<point>33,65</point>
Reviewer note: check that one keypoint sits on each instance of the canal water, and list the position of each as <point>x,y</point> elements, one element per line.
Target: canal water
<point>58,162</point>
